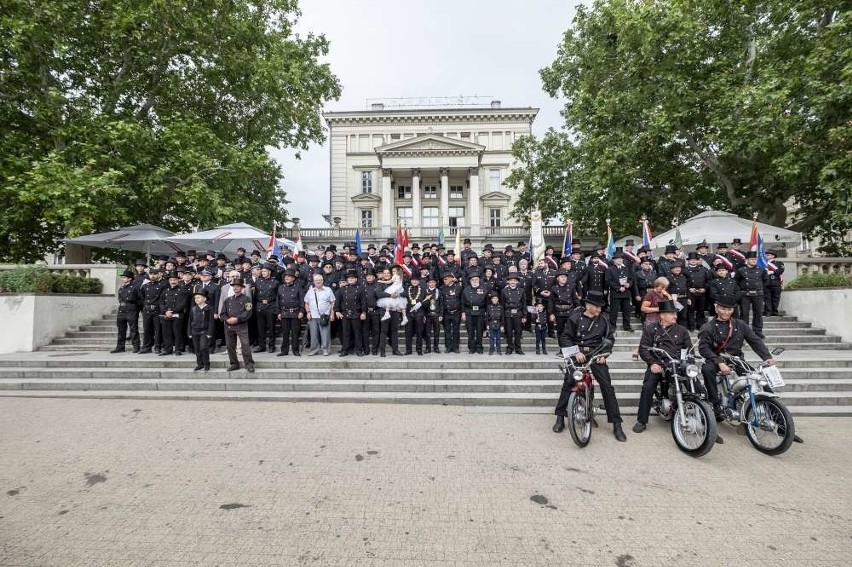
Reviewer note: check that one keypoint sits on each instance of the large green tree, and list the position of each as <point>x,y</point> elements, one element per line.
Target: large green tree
<point>160,111</point>
<point>679,105</point>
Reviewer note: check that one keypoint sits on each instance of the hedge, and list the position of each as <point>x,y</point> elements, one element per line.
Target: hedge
<point>818,280</point>
<point>38,279</point>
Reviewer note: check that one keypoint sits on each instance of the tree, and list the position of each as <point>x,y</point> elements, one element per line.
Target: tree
<point>155,111</point>
<point>675,106</point>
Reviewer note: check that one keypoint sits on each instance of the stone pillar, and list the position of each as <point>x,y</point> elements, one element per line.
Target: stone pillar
<point>416,210</point>
<point>473,202</point>
<point>445,197</point>
<point>387,203</point>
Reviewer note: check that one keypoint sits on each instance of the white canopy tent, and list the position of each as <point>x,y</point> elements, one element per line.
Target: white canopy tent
<point>146,238</point>
<point>228,238</point>
<point>717,226</point>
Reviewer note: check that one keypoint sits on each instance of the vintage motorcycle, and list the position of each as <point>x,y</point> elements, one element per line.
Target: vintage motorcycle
<point>691,416</point>
<point>581,409</point>
<point>750,401</point>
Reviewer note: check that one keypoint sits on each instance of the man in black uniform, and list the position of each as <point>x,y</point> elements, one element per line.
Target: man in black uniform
<point>514,303</point>
<point>474,302</point>
<point>643,280</point>
<point>562,300</point>
<point>752,280</point>
<point>371,327</point>
<point>452,305</point>
<point>667,335</point>
<point>619,280</point>
<point>235,313</point>
<point>679,289</point>
<point>772,291</point>
<point>587,330</point>
<point>173,303</point>
<point>266,296</point>
<point>290,308</point>
<point>415,294</point>
<point>128,313</point>
<point>723,284</point>
<point>351,306</point>
<point>698,281</point>
<point>434,309</point>
<point>152,330</point>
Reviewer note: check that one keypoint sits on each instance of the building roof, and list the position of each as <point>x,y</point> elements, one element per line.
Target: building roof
<point>429,115</point>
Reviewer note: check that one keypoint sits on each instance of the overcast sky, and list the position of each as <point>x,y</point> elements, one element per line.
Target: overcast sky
<point>393,48</point>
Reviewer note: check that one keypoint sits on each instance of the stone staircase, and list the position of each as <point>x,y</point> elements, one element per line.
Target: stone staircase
<point>816,367</point>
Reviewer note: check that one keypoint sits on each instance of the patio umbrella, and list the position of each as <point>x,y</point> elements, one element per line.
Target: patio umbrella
<point>718,226</point>
<point>140,238</point>
<point>229,237</point>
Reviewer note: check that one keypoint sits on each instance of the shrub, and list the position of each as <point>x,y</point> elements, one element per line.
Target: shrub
<point>818,280</point>
<point>38,279</point>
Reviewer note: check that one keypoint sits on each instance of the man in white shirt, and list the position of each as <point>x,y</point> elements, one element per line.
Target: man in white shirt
<point>319,305</point>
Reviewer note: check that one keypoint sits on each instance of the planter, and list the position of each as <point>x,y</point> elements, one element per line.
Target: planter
<point>828,308</point>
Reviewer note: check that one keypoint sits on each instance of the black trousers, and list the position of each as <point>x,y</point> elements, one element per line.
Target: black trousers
<point>201,345</point>
<point>152,330</point>
<point>390,332</point>
<point>266,319</point>
<point>231,334</point>
<point>291,328</point>
<point>452,322</point>
<point>560,325</point>
<point>753,304</point>
<point>514,330</point>
<point>433,331</point>
<point>414,330</point>
<point>351,336</point>
<point>253,325</point>
<point>540,338</point>
<point>172,334</point>
<point>649,386</point>
<point>710,372</point>
<point>621,304</point>
<point>697,312</point>
<point>473,323</point>
<point>124,320</point>
<point>371,330</point>
<point>772,298</point>
<point>601,374</point>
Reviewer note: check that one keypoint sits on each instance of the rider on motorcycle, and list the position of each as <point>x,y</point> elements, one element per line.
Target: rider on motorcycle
<point>725,335</point>
<point>667,335</point>
<point>587,330</point>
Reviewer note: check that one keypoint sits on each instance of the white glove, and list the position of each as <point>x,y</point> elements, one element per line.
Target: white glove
<point>417,306</point>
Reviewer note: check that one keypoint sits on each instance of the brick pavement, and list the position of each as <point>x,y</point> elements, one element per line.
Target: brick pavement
<point>133,482</point>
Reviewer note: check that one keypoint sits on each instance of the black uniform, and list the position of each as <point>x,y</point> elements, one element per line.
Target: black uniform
<point>643,281</point>
<point>494,320</point>
<point>350,302</point>
<point>433,311</point>
<point>562,301</point>
<point>698,280</point>
<point>265,298</point>
<point>752,282</point>
<point>619,280</point>
<point>721,287</point>
<point>515,310</point>
<point>151,326</point>
<point>416,325</point>
<point>173,307</point>
<point>239,306</point>
<point>452,305</point>
<point>718,337</point>
<point>474,302</point>
<point>679,286</point>
<point>588,333</point>
<point>128,316</point>
<point>201,328</point>
<point>389,327</point>
<point>290,304</point>
<point>772,291</point>
<point>371,327</point>
<point>671,339</point>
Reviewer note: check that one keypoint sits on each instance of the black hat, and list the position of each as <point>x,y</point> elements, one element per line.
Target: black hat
<point>692,256</point>
<point>128,274</point>
<point>328,263</point>
<point>221,256</point>
<point>565,259</point>
<point>154,271</point>
<point>667,306</point>
<point>721,245</point>
<point>290,272</point>
<point>671,249</point>
<point>702,244</point>
<point>199,291</point>
<point>246,261</point>
<point>473,274</point>
<point>406,254</point>
<point>595,298</point>
<point>190,253</point>
<point>210,253</point>
<point>229,267</point>
<point>466,241</point>
<point>599,246</point>
<point>446,275</point>
<point>180,254</point>
<point>488,247</point>
<point>751,254</point>
<point>140,262</point>
<point>521,243</point>
<point>561,272</point>
<point>513,276</point>
<point>180,270</point>
<point>369,271</point>
<point>629,242</point>
<point>255,253</point>
<point>773,252</point>
<point>736,241</point>
<point>726,301</point>
<point>722,266</point>
<point>432,278</point>
<point>488,267</point>
<point>677,264</point>
<point>414,276</point>
<point>351,273</point>
<point>451,253</point>
<point>576,250</point>
<point>313,258</point>
<point>170,275</point>
<point>332,247</point>
<point>617,255</point>
<point>371,247</point>
<point>163,257</point>
<point>267,266</point>
<point>273,258</point>
<point>646,259</point>
<point>415,246</point>
<point>238,281</point>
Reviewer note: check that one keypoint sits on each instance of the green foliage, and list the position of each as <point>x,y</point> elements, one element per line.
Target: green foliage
<point>676,106</point>
<point>127,112</point>
<point>29,279</point>
<point>818,279</point>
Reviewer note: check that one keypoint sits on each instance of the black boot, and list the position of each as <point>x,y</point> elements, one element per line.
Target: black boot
<point>618,432</point>
<point>258,348</point>
<point>116,350</point>
<point>560,424</point>
<point>544,351</point>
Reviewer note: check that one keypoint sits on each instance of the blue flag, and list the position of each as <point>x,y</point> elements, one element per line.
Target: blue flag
<point>358,242</point>
<point>610,244</point>
<point>762,261</point>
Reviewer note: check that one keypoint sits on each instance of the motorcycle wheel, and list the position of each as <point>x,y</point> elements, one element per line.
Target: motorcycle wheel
<point>579,419</point>
<point>698,436</point>
<point>775,430</point>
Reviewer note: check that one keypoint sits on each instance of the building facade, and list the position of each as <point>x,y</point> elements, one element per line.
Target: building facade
<point>426,169</point>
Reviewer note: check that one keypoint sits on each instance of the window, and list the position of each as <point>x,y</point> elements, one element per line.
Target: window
<point>456,192</point>
<point>493,179</point>
<point>482,139</point>
<point>394,137</point>
<point>496,140</point>
<point>404,215</point>
<point>366,218</point>
<point>367,182</point>
<point>403,192</point>
<point>430,216</point>
<point>364,143</point>
<point>456,216</point>
<point>465,136</point>
<point>430,192</point>
<point>494,218</point>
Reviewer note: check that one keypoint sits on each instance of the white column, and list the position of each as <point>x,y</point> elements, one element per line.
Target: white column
<point>387,203</point>
<point>445,197</point>
<point>415,198</point>
<point>473,204</point>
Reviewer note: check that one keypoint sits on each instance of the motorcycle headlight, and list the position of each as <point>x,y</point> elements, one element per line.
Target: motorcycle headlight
<point>762,382</point>
<point>578,375</point>
<point>692,371</point>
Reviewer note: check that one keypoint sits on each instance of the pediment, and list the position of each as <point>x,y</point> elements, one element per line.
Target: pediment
<point>495,197</point>
<point>366,198</point>
<point>429,143</point>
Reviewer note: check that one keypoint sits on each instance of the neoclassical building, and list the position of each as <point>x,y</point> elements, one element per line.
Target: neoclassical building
<point>426,169</point>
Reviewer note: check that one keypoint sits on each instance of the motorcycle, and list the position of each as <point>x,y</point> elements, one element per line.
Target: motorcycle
<point>750,401</point>
<point>692,422</point>
<point>581,409</point>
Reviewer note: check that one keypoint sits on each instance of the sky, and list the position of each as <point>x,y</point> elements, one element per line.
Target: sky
<point>400,48</point>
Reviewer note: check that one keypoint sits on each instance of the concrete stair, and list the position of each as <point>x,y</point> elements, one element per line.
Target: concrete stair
<point>817,368</point>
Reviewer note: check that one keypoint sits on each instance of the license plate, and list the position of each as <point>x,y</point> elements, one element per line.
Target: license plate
<point>773,376</point>
<point>570,351</point>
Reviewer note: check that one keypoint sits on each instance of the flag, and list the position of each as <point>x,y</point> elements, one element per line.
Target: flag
<point>678,240</point>
<point>569,237</point>
<point>273,248</point>
<point>299,247</point>
<point>441,236</point>
<point>358,242</point>
<point>458,245</point>
<point>647,235</point>
<point>762,260</point>
<point>610,243</point>
<point>754,242</point>
<point>397,250</point>
<point>405,245</point>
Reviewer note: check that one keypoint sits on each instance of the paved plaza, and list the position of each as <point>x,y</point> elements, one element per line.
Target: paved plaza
<point>141,482</point>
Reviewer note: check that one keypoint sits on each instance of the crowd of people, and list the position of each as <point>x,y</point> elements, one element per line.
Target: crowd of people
<point>201,302</point>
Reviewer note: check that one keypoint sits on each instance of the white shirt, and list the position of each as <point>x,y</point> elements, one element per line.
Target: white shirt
<point>323,298</point>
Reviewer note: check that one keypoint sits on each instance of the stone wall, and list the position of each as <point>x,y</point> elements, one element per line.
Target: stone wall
<point>830,309</point>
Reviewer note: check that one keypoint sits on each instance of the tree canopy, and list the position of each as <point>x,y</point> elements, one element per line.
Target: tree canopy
<point>676,106</point>
<point>160,111</point>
